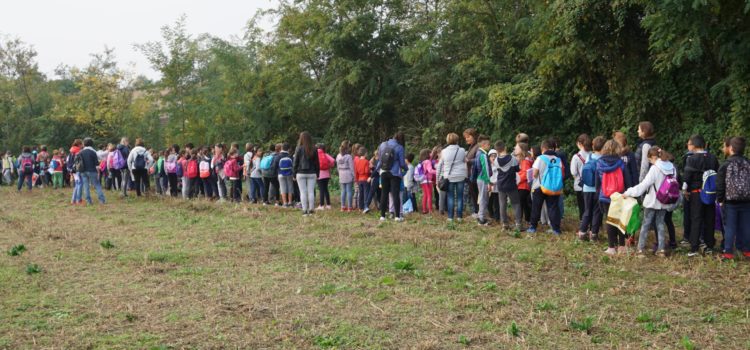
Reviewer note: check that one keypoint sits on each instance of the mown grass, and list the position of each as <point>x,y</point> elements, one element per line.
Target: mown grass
<point>161,273</point>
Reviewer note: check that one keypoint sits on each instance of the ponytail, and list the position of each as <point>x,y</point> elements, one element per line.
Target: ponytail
<point>660,153</point>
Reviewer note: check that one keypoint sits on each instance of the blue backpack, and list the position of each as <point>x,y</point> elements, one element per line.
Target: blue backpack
<point>266,162</point>
<point>552,179</point>
<point>178,170</point>
<point>588,173</point>
<point>708,190</point>
<point>285,166</point>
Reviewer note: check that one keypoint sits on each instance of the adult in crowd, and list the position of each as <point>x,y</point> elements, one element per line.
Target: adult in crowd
<point>139,161</point>
<point>89,163</point>
<point>470,136</point>
<point>307,169</point>
<point>452,167</point>
<point>124,149</point>
<point>392,166</point>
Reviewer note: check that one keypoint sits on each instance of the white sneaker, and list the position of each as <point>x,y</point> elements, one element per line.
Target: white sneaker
<point>382,219</point>
<point>399,219</point>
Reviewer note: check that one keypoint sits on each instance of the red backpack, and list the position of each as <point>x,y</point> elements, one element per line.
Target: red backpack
<point>612,182</point>
<point>192,169</point>
<point>324,161</point>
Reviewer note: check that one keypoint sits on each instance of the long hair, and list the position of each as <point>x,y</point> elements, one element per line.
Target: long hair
<point>345,148</point>
<point>306,142</point>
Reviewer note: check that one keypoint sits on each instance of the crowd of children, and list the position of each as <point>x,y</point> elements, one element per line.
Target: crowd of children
<point>528,180</point>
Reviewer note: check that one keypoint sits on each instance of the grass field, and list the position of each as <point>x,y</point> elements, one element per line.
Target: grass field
<point>161,274</point>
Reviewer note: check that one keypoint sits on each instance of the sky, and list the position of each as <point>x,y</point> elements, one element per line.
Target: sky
<point>68,31</point>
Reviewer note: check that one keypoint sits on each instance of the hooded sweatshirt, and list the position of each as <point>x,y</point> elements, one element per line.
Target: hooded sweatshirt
<point>135,152</point>
<point>650,185</point>
<point>508,168</point>
<point>607,164</point>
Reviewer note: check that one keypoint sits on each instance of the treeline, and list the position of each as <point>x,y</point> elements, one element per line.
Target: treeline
<point>361,69</point>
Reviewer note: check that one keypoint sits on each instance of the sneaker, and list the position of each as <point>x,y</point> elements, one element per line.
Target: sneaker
<point>305,214</point>
<point>708,251</point>
<point>554,232</point>
<point>399,219</point>
<point>343,209</point>
<point>661,253</point>
<point>623,250</point>
<point>482,222</point>
<point>593,237</point>
<point>746,254</point>
<point>328,207</point>
<point>320,207</point>
<point>693,254</point>
<point>367,210</point>
<point>684,243</point>
<point>450,220</point>
<point>460,220</point>
<point>581,236</point>
<point>611,251</point>
<point>474,216</point>
<point>382,219</point>
<point>640,254</point>
<point>531,230</point>
<point>727,256</point>
<point>703,246</point>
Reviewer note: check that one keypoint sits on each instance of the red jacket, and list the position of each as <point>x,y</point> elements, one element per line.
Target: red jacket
<point>361,169</point>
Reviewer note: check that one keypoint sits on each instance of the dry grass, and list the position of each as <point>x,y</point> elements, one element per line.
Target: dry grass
<point>212,276</point>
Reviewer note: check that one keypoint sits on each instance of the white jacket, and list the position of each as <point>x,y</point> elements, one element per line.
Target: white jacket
<point>650,185</point>
<point>134,153</point>
<point>452,156</point>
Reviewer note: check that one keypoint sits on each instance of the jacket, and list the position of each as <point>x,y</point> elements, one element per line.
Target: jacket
<point>695,165</point>
<point>650,185</point>
<point>482,170</point>
<point>523,174</point>
<point>641,154</point>
<point>631,167</point>
<point>508,169</point>
<point>452,156</point>
<point>721,183</point>
<point>345,165</point>
<point>361,169</point>
<point>139,150</point>
<point>607,164</point>
<point>399,164</point>
<point>90,160</point>
<point>302,164</point>
<point>576,166</point>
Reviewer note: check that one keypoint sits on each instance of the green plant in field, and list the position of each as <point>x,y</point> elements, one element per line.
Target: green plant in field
<point>710,318</point>
<point>584,325</point>
<point>545,306</point>
<point>513,329</point>
<point>33,269</point>
<point>655,327</point>
<point>464,340</point>
<point>327,341</point>
<point>686,343</point>
<point>404,265</point>
<point>17,250</point>
<point>106,244</point>
<point>489,287</point>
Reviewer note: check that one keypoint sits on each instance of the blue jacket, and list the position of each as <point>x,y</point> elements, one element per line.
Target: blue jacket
<point>607,164</point>
<point>399,165</point>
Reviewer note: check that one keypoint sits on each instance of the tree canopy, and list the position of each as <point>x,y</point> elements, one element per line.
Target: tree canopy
<point>363,69</point>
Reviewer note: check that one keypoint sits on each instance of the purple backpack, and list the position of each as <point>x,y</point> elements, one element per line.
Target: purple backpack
<point>117,160</point>
<point>669,190</point>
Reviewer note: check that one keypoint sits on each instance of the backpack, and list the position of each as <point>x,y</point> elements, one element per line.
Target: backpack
<point>26,164</point>
<point>192,168</point>
<point>588,173</point>
<point>54,164</point>
<point>178,170</point>
<point>204,169</point>
<point>285,166</point>
<point>738,181</point>
<point>231,168</point>
<point>612,182</point>
<point>669,190</point>
<point>117,160</point>
<point>102,165</point>
<point>70,162</point>
<point>140,161</point>
<point>419,173</point>
<point>387,158</point>
<point>78,163</point>
<point>266,162</point>
<point>552,179</point>
<point>171,166</point>
<point>708,190</point>
<point>324,162</point>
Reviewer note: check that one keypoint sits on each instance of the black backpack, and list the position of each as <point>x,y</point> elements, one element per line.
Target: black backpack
<point>738,180</point>
<point>140,161</point>
<point>78,163</point>
<point>387,158</point>
<point>70,162</point>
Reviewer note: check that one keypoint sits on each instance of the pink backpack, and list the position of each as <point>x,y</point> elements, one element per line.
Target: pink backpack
<point>669,190</point>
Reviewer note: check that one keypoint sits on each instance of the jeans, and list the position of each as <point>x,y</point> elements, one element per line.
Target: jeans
<point>592,213</point>
<point>77,188</point>
<point>7,176</point>
<point>374,194</point>
<point>552,202</point>
<point>256,189</point>
<point>89,178</point>
<point>306,184</point>
<point>392,186</point>
<point>125,173</point>
<point>236,189</point>
<point>702,220</point>
<point>208,187</point>
<point>221,187</point>
<point>652,217</point>
<point>456,199</point>
<point>24,177</point>
<point>347,195</point>
<point>515,203</point>
<point>185,187</point>
<point>364,193</point>
<point>325,194</point>
<point>737,227</point>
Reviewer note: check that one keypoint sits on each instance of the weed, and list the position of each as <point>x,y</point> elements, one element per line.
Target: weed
<point>710,318</point>
<point>325,341</point>
<point>513,329</point>
<point>489,287</point>
<point>106,244</point>
<point>686,343</point>
<point>546,306</point>
<point>584,325</point>
<point>404,265</point>
<point>464,340</point>
<point>17,250</point>
<point>32,269</point>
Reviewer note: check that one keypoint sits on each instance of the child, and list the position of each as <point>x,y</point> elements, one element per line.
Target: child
<point>524,182</point>
<point>591,221</point>
<point>423,174</point>
<point>546,162</point>
<point>247,167</point>
<point>654,209</point>
<point>583,142</point>
<point>25,168</point>
<point>702,215</point>
<point>494,205</point>
<point>410,186</point>
<point>355,197</point>
<point>611,168</point>
<point>345,164</point>
<point>374,184</point>
<point>362,175</point>
<point>286,180</point>
<point>56,167</point>
<point>733,192</point>
<point>326,162</point>
<point>482,172</point>
<point>269,177</point>
<point>232,171</point>
<point>507,188</point>
<point>205,173</point>
<point>256,186</point>
<point>437,197</point>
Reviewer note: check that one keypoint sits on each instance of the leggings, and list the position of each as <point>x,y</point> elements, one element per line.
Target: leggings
<point>426,198</point>
<point>392,186</point>
<point>325,195</point>
<point>172,178</point>
<point>525,198</point>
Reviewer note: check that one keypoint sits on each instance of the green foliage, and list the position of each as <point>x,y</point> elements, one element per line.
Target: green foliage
<point>404,265</point>
<point>17,250</point>
<point>106,244</point>
<point>513,330</point>
<point>584,325</point>
<point>32,269</point>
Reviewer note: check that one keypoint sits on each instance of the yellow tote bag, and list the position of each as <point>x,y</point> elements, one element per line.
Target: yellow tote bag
<point>620,211</point>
